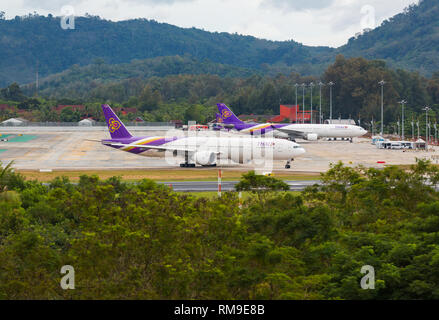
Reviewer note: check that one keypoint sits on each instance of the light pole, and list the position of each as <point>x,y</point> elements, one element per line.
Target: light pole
<point>321,84</point>
<point>413,130</point>
<point>427,108</point>
<point>382,83</point>
<point>330,100</point>
<point>373,128</point>
<point>303,105</point>
<point>311,85</point>
<point>429,131</point>
<point>419,133</point>
<point>296,85</point>
<point>403,103</point>
<point>435,133</point>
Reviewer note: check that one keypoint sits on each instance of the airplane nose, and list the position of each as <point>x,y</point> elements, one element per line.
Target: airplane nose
<point>301,151</point>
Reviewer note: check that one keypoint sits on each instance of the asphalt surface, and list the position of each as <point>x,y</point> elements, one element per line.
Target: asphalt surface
<point>209,186</point>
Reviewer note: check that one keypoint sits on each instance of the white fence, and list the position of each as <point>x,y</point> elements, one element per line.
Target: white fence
<point>94,124</point>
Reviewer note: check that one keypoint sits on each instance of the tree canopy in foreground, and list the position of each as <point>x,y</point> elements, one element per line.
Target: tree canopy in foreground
<point>144,241</point>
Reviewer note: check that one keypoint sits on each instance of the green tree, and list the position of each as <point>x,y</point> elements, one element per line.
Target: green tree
<point>68,115</point>
<point>260,185</point>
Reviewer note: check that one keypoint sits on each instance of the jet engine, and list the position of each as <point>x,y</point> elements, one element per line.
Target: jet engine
<point>205,158</point>
<point>312,137</point>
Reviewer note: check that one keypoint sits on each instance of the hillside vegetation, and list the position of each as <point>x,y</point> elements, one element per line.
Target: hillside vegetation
<point>144,241</point>
<point>409,40</point>
<point>356,93</point>
<point>33,39</point>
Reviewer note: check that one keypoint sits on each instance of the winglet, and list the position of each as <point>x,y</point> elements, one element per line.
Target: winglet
<point>115,126</point>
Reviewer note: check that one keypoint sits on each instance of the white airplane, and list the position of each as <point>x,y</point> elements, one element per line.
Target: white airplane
<point>204,151</point>
<point>310,132</point>
<point>313,132</point>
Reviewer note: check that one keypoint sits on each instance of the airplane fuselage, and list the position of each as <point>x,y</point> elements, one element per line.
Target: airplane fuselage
<point>310,132</point>
<point>302,130</point>
<point>328,130</point>
<point>238,149</point>
<point>203,150</point>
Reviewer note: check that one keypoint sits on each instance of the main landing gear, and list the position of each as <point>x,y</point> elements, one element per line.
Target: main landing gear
<point>288,165</point>
<point>186,163</point>
<point>351,140</point>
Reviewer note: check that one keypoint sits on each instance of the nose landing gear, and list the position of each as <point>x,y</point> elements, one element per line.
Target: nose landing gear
<point>288,165</point>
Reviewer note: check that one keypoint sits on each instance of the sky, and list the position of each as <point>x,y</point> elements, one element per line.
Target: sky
<point>311,22</point>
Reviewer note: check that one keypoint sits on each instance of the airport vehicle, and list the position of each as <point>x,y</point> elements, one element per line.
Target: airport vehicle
<point>310,132</point>
<point>198,127</point>
<point>396,145</point>
<point>205,150</point>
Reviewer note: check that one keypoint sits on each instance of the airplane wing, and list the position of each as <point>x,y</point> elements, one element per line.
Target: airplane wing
<point>293,133</point>
<point>160,148</point>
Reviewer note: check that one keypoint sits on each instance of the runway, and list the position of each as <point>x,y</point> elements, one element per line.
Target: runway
<point>212,186</point>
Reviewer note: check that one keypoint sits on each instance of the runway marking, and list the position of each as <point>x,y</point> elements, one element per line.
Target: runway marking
<point>24,138</point>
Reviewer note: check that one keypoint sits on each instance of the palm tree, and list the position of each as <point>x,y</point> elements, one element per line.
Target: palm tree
<point>3,176</point>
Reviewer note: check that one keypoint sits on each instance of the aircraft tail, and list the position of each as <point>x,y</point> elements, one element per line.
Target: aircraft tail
<point>227,116</point>
<point>115,126</point>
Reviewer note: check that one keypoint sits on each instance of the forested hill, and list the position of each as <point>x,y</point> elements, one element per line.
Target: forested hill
<point>409,40</point>
<point>26,40</point>
<point>81,78</point>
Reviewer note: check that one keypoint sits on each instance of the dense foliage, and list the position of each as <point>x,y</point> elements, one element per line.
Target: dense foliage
<point>133,68</point>
<point>408,40</point>
<point>33,40</point>
<point>356,93</point>
<point>146,242</point>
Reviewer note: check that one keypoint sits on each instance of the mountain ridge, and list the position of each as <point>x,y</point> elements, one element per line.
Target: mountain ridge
<point>409,40</point>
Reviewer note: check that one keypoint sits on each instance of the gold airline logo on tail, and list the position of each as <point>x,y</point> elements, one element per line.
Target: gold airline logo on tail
<point>113,125</point>
<point>226,114</point>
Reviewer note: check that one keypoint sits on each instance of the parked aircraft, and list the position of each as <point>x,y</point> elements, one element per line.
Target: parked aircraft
<point>310,132</point>
<point>205,150</point>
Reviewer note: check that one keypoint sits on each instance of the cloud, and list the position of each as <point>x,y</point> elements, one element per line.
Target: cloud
<point>298,5</point>
<point>56,4</point>
<point>311,22</point>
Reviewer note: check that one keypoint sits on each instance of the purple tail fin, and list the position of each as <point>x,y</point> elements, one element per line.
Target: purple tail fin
<point>115,126</point>
<point>227,115</point>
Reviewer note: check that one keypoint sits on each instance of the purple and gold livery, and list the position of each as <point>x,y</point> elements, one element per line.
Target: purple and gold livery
<point>122,139</point>
<point>203,150</point>
<point>310,132</point>
<point>227,117</point>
